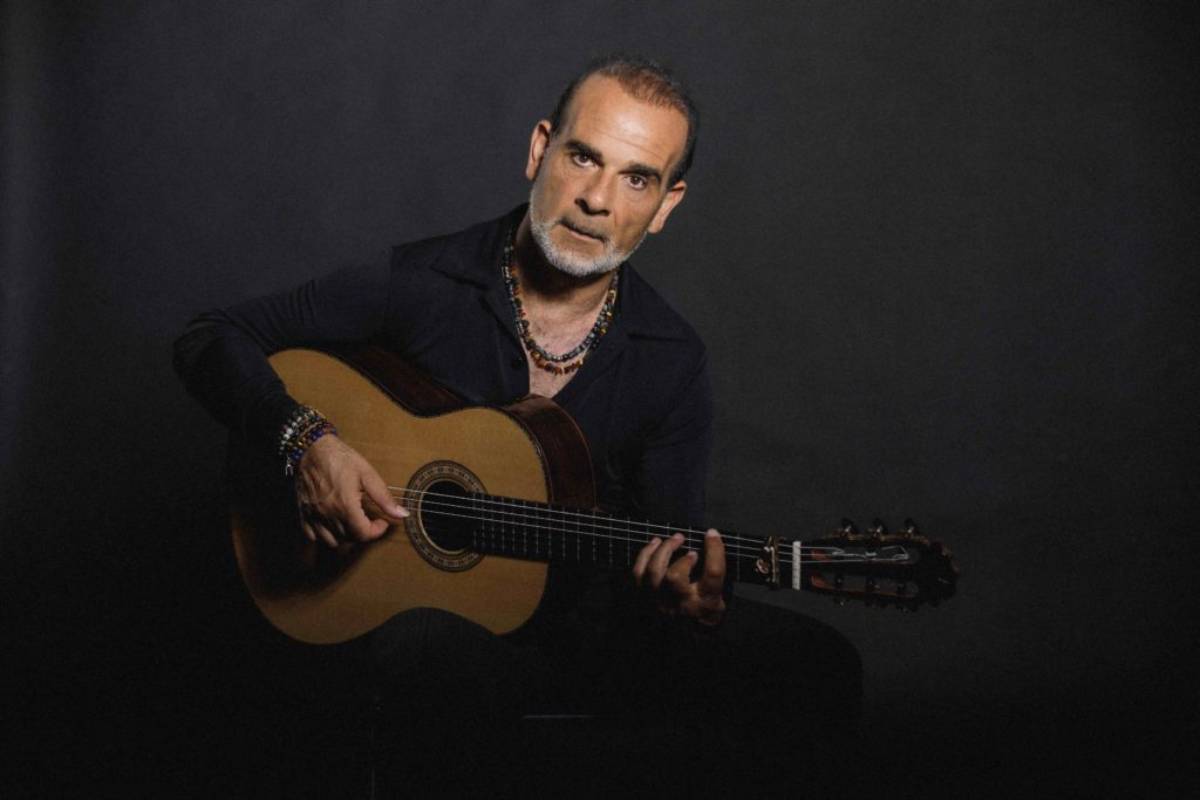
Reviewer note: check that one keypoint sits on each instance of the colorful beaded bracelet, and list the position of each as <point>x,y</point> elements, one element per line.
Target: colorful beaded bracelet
<point>303,428</point>
<point>300,418</point>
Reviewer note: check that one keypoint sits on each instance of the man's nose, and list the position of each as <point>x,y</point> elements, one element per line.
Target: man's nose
<point>595,198</point>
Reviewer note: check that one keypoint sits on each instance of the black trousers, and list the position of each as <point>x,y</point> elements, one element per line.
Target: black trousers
<point>651,704</point>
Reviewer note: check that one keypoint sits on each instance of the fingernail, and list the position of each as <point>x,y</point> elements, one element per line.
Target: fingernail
<point>402,511</point>
<point>710,534</point>
<point>678,536</point>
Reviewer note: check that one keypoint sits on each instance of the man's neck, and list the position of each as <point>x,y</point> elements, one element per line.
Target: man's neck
<point>545,287</point>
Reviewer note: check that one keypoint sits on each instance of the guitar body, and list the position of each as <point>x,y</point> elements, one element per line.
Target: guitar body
<point>495,495</point>
<point>423,441</point>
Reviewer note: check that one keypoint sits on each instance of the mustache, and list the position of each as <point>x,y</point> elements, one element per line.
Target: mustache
<point>586,231</point>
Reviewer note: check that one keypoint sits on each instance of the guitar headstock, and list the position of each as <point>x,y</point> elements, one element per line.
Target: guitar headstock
<point>902,569</point>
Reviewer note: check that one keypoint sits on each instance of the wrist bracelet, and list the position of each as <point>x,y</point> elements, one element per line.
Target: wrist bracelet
<point>303,428</point>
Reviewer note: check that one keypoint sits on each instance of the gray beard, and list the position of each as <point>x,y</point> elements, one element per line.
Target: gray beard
<point>572,263</point>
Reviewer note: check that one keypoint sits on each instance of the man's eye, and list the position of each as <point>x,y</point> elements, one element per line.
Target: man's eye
<point>638,181</point>
<point>582,159</point>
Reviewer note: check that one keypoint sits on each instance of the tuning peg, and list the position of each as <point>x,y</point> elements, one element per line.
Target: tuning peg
<point>848,527</point>
<point>877,528</point>
<point>910,528</point>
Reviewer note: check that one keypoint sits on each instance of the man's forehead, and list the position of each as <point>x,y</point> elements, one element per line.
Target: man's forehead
<point>603,112</point>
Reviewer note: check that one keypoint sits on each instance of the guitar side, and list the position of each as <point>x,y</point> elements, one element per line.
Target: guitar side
<point>408,429</point>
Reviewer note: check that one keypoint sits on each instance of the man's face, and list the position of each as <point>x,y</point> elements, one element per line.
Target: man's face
<point>600,182</point>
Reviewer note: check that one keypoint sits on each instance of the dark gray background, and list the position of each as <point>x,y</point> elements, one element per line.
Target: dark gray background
<point>943,255</point>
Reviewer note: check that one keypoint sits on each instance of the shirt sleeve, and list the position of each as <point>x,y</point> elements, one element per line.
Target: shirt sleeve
<point>671,475</point>
<point>222,354</point>
<point>669,486</point>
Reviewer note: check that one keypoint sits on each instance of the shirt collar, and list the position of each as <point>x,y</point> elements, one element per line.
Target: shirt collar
<point>640,311</point>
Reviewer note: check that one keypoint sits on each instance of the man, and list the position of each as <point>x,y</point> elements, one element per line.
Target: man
<point>604,179</point>
<point>541,301</point>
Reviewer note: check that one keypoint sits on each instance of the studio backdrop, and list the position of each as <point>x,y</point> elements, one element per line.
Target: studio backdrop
<point>942,254</point>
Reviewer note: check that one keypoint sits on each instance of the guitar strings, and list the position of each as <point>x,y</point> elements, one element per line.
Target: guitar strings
<point>756,544</point>
<point>507,516</point>
<point>755,550</point>
<point>543,523</point>
<point>783,560</point>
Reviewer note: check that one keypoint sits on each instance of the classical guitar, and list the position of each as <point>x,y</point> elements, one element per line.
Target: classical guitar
<point>495,495</point>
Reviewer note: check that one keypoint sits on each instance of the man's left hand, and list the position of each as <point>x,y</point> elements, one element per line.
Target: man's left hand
<point>703,599</point>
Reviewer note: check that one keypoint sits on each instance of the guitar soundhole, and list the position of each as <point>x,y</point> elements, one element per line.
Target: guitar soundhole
<point>441,529</point>
<point>444,515</point>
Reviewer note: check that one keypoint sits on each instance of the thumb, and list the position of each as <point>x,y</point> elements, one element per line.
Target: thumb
<point>377,490</point>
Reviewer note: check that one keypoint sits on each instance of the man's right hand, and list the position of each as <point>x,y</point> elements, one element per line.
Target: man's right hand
<point>332,481</point>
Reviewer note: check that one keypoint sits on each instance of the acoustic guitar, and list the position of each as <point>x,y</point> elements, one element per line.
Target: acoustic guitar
<point>495,495</point>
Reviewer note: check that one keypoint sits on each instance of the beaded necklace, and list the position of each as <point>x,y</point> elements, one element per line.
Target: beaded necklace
<point>545,360</point>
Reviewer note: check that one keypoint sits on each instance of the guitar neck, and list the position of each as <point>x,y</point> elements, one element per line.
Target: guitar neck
<point>535,531</point>
<point>904,569</point>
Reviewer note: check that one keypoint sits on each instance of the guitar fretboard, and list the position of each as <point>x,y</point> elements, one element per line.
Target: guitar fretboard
<point>545,532</point>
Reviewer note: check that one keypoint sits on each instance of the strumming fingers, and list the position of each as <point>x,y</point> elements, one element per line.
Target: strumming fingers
<point>356,525</point>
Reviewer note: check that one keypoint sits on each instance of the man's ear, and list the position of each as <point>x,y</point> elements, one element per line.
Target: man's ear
<point>539,142</point>
<point>673,198</point>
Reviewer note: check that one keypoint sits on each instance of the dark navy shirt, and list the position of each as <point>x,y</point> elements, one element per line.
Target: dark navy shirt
<point>642,397</point>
